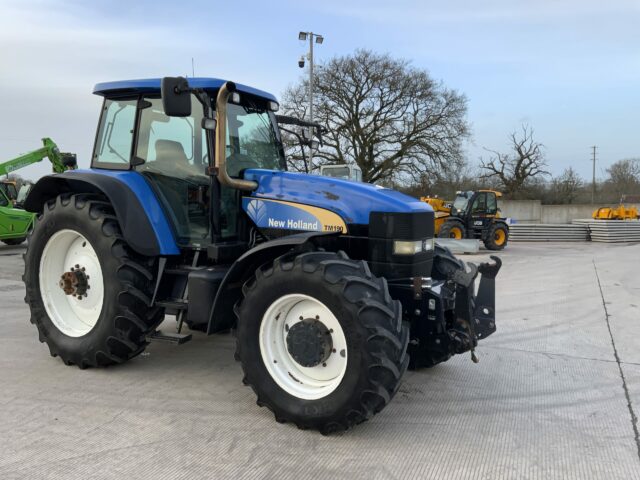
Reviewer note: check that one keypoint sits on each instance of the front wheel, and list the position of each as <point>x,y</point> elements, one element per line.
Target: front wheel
<point>320,341</point>
<point>497,237</point>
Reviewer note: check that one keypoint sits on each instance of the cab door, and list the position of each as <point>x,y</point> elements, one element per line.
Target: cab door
<point>483,209</point>
<point>171,152</point>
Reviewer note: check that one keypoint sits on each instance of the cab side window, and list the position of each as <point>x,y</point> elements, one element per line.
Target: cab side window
<point>492,204</point>
<point>3,200</point>
<point>115,134</point>
<point>173,146</point>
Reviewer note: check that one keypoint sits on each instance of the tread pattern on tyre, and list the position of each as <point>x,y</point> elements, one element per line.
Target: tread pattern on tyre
<point>445,229</point>
<point>134,319</point>
<point>490,242</point>
<point>386,341</point>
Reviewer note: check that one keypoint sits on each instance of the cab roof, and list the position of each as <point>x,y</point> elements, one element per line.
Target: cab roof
<point>152,85</point>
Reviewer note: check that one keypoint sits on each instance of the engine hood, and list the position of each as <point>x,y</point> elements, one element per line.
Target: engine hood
<point>352,201</point>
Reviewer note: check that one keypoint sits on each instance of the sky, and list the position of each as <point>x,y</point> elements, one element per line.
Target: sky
<point>568,68</point>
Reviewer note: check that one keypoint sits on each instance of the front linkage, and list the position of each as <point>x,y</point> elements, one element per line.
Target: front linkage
<point>446,317</point>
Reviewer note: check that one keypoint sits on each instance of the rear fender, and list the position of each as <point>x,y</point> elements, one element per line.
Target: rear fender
<point>143,222</point>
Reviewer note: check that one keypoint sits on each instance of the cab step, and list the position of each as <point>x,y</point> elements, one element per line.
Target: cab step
<point>173,338</point>
<point>173,304</point>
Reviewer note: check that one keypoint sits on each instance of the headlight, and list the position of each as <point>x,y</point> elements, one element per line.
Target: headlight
<point>411,247</point>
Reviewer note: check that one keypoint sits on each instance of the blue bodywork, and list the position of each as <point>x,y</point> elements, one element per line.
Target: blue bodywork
<point>152,85</point>
<point>353,201</point>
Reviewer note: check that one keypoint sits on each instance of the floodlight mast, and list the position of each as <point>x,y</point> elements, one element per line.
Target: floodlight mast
<point>318,39</point>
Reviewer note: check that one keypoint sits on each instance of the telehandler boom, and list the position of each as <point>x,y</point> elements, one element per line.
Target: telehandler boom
<point>15,223</point>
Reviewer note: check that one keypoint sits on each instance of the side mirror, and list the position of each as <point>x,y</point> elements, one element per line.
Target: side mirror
<point>176,100</point>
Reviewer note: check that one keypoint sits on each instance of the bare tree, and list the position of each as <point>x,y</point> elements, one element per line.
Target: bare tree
<point>394,121</point>
<point>522,165</point>
<point>624,177</point>
<point>566,187</point>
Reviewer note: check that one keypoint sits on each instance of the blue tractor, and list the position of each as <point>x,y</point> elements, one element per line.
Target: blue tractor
<point>333,288</point>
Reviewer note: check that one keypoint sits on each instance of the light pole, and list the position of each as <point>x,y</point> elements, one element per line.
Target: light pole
<point>318,39</point>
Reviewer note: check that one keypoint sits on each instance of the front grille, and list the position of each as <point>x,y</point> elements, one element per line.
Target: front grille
<point>401,226</point>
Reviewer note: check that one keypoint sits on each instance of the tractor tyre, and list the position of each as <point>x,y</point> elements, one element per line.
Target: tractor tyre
<point>452,229</point>
<point>14,241</point>
<point>88,292</point>
<point>320,340</point>
<point>497,237</point>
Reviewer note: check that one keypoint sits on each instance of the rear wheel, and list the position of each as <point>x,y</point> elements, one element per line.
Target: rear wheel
<point>320,341</point>
<point>452,230</point>
<point>497,237</point>
<point>87,291</point>
<point>14,241</point>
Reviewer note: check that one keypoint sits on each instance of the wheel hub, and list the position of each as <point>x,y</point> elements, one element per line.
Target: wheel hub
<point>75,282</point>
<point>309,342</point>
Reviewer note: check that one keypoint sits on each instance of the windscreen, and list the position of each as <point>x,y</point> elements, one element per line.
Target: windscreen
<point>339,172</point>
<point>460,203</point>
<point>252,141</point>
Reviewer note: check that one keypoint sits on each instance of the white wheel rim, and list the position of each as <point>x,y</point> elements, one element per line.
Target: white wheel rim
<point>309,383</point>
<point>73,316</point>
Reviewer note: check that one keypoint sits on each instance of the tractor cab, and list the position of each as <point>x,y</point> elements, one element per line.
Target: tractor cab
<point>346,172</point>
<point>174,152</point>
<point>9,189</point>
<point>14,223</point>
<point>474,205</point>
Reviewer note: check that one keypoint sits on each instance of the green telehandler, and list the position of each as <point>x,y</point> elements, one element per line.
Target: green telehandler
<point>16,223</point>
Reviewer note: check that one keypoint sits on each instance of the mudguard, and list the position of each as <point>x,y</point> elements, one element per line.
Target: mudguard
<point>143,222</point>
<point>222,316</point>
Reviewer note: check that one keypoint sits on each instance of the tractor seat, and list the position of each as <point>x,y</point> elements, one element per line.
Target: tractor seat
<point>169,152</point>
<point>171,160</point>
